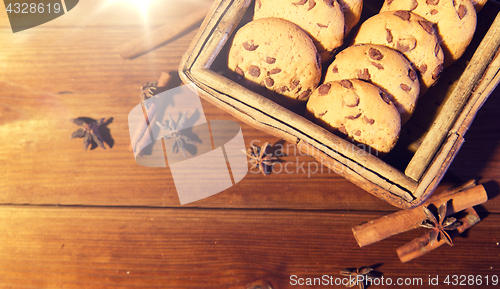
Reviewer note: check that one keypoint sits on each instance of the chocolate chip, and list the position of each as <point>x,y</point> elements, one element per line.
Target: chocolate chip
<point>254,71</point>
<point>406,44</point>
<point>414,5</point>
<point>329,2</point>
<point>364,74</point>
<point>239,71</point>
<point>324,89</point>
<point>346,83</point>
<point>389,2</point>
<point>369,120</point>
<point>350,100</point>
<point>294,84</point>
<point>402,47</point>
<point>358,133</point>
<point>335,69</point>
<point>462,11</point>
<point>353,116</point>
<point>375,54</point>
<point>412,74</point>
<point>403,14</point>
<point>422,68</point>
<point>427,26</point>
<point>275,71</point>
<point>405,87</point>
<point>385,97</point>
<point>301,2</point>
<point>322,25</point>
<point>343,130</point>
<point>258,4</point>
<point>432,2</point>
<point>389,36</point>
<point>250,46</point>
<point>282,89</point>
<point>434,12</point>
<point>377,65</point>
<point>312,3</point>
<point>437,49</point>
<point>437,71</point>
<point>304,94</point>
<point>322,114</point>
<point>269,82</point>
<point>270,60</point>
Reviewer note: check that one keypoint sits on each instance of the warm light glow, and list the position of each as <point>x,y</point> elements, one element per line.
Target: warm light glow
<point>142,5</point>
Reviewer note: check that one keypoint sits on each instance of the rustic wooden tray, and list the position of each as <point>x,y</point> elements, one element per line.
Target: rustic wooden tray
<point>429,141</point>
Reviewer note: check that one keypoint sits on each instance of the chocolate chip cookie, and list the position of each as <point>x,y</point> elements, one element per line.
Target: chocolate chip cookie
<point>478,4</point>
<point>359,110</point>
<point>276,54</point>
<point>382,66</point>
<point>411,35</point>
<point>455,21</point>
<point>323,20</point>
<point>352,13</point>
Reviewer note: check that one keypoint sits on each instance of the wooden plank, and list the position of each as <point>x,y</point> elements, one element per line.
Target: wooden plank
<point>455,139</point>
<point>115,14</point>
<point>445,120</point>
<point>72,247</point>
<point>71,69</point>
<point>161,35</point>
<point>297,126</point>
<point>430,104</point>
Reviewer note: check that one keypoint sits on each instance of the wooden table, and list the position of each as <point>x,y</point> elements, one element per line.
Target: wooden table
<point>95,219</point>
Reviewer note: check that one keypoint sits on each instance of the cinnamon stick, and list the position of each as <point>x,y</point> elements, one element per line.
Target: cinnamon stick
<point>421,245</point>
<point>160,35</point>
<point>406,220</point>
<point>140,137</point>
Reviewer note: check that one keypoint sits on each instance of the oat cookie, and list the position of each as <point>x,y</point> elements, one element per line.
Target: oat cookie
<point>455,21</point>
<point>357,109</point>
<point>278,55</point>
<point>352,13</point>
<point>382,66</point>
<point>411,35</point>
<point>323,20</point>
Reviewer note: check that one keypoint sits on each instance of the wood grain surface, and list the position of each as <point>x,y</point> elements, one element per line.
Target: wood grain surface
<point>71,218</point>
<point>47,247</point>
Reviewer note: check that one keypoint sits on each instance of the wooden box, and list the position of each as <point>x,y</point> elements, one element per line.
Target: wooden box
<point>428,143</point>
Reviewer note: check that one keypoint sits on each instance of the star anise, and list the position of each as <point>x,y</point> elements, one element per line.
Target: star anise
<point>148,90</point>
<point>173,132</point>
<point>440,225</point>
<point>89,132</point>
<point>259,158</point>
<point>353,276</point>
